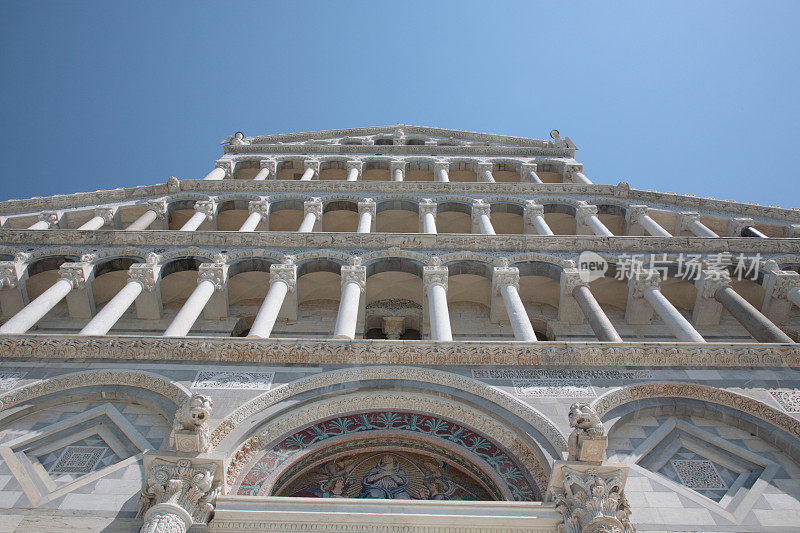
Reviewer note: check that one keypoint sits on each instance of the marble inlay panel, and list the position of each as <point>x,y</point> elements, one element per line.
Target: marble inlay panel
<point>233,380</point>
<point>553,388</point>
<point>789,400</point>
<point>698,474</point>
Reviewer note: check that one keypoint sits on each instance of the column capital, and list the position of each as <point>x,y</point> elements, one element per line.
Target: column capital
<point>397,163</point>
<point>226,165</point>
<point>159,207</point>
<point>313,206</point>
<point>106,213</point>
<point>354,274</point>
<point>207,207</point>
<point>571,170</point>
<point>584,211</point>
<point>270,164</point>
<point>634,213</point>
<point>367,205</point>
<point>710,281</point>
<point>434,275</point>
<point>570,280</point>
<point>51,217</point>
<point>10,274</point>
<point>285,272</point>
<point>642,279</point>
<point>313,164</point>
<point>481,207</point>
<point>358,165</point>
<point>685,218</point>
<point>503,276</point>
<point>532,209</point>
<point>77,273</point>
<point>737,224</point>
<point>426,205</point>
<point>179,492</point>
<point>259,206</point>
<point>525,168</point>
<point>784,280</point>
<point>793,231</point>
<point>216,273</point>
<point>482,166</point>
<point>439,165</point>
<point>145,274</point>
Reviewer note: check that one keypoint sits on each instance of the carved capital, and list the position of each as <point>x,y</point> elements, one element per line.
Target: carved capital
<point>313,206</point>
<point>635,213</point>
<point>9,277</point>
<point>526,168</point>
<point>259,206</point>
<point>736,225</point>
<point>207,207</point>
<point>482,167</point>
<point>159,207</point>
<point>286,273</point>
<point>584,211</point>
<point>503,276</point>
<point>367,205</point>
<point>439,165</point>
<point>397,164</point>
<point>434,275</point>
<point>311,164</point>
<point>216,273</point>
<point>427,206</point>
<point>571,170</point>
<point>641,280</point>
<point>145,274</point>
<point>711,281</point>
<point>355,274</point>
<point>270,164</point>
<point>358,165</point>
<point>226,165</point>
<point>592,502</point>
<point>783,281</point>
<point>532,210</point>
<point>178,494</point>
<point>793,231</point>
<point>106,213</point>
<point>570,279</point>
<point>77,273</point>
<point>480,207</point>
<point>685,218</point>
<point>51,217</point>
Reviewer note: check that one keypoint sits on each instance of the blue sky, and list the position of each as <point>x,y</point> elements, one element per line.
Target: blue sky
<point>692,97</point>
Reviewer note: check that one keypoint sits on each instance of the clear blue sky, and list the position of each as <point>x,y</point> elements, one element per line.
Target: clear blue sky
<point>693,97</point>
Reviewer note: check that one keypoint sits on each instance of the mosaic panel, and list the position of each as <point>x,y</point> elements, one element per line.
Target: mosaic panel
<point>698,474</point>
<point>9,380</point>
<point>789,400</point>
<point>567,373</point>
<point>233,380</point>
<point>553,388</point>
<point>78,460</point>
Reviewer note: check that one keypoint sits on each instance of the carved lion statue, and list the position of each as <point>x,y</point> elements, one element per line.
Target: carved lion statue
<point>587,426</point>
<point>191,419</point>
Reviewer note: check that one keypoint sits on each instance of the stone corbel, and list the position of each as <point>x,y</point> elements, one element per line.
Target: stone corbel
<point>777,284</point>
<point>569,311</point>
<point>707,310</point>
<point>80,301</point>
<point>148,303</point>
<point>286,272</point>
<point>216,273</point>
<point>639,310</point>
<point>501,276</point>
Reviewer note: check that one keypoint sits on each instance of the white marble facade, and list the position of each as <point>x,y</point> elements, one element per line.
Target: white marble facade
<point>355,316</point>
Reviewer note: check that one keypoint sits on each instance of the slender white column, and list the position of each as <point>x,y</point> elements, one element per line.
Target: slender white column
<point>506,281</point>
<point>34,311</point>
<point>313,214</point>
<point>637,216</point>
<point>103,216</point>
<point>143,222</point>
<point>691,221</point>
<point>534,219</point>
<point>427,214</point>
<point>267,169</point>
<point>205,210</point>
<point>645,285</point>
<point>480,217</point>
<point>587,215</point>
<point>435,286</point>
<point>751,231</point>
<point>441,170</point>
<point>259,209</point>
<point>354,282</point>
<point>47,220</point>
<point>282,281</point>
<point>262,175</point>
<point>220,172</point>
<point>354,170</point>
<point>528,171</point>
<point>793,295</point>
<point>105,319</point>
<point>577,175</point>
<point>366,215</point>
<point>211,277</point>
<point>484,172</point>
<point>311,170</point>
<point>398,169</point>
<point>597,319</point>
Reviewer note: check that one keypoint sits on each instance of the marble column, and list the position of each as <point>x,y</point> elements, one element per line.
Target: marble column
<point>528,172</point>
<point>750,231</point>
<point>366,215</point>
<point>744,227</point>
<point>575,174</point>
<point>427,216</point>
<point>211,278</point>
<point>484,172</point>
<point>354,169</point>
<point>441,170</point>
<point>259,210</point>
<point>434,282</point>
<point>282,280</point>
<point>205,210</point>
<point>481,220</point>
<point>505,280</point>
<point>102,216</point>
<point>47,220</point>
<point>354,284</point>
<point>534,221</point>
<point>748,316</point>
<point>311,170</point>
<point>268,168</point>
<point>222,170</point>
<point>638,219</point>
<point>312,216</point>
<point>110,314</point>
<point>397,170</point>
<point>586,215</point>
<point>690,221</point>
<point>71,276</point>
<point>595,316</point>
<point>155,209</point>
<point>644,285</point>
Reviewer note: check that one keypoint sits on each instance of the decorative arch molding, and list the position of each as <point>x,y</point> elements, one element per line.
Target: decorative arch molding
<point>188,195</point>
<point>514,456</point>
<point>324,253</point>
<point>619,397</point>
<point>344,197</point>
<point>104,254</point>
<point>505,200</point>
<point>55,251</point>
<point>540,258</point>
<point>460,256</point>
<point>564,200</point>
<point>231,196</point>
<point>191,251</point>
<point>298,196</point>
<point>162,386</point>
<point>377,255</point>
<point>390,373</point>
<point>234,256</point>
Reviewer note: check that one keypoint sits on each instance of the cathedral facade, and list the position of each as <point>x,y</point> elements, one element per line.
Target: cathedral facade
<point>398,329</point>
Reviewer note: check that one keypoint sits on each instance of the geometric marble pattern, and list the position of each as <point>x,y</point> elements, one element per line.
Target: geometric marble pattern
<point>565,373</point>
<point>78,460</point>
<point>9,380</point>
<point>789,400</point>
<point>553,388</point>
<point>233,380</point>
<point>698,474</point>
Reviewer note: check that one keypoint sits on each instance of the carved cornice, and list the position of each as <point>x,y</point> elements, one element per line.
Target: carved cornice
<point>309,351</point>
